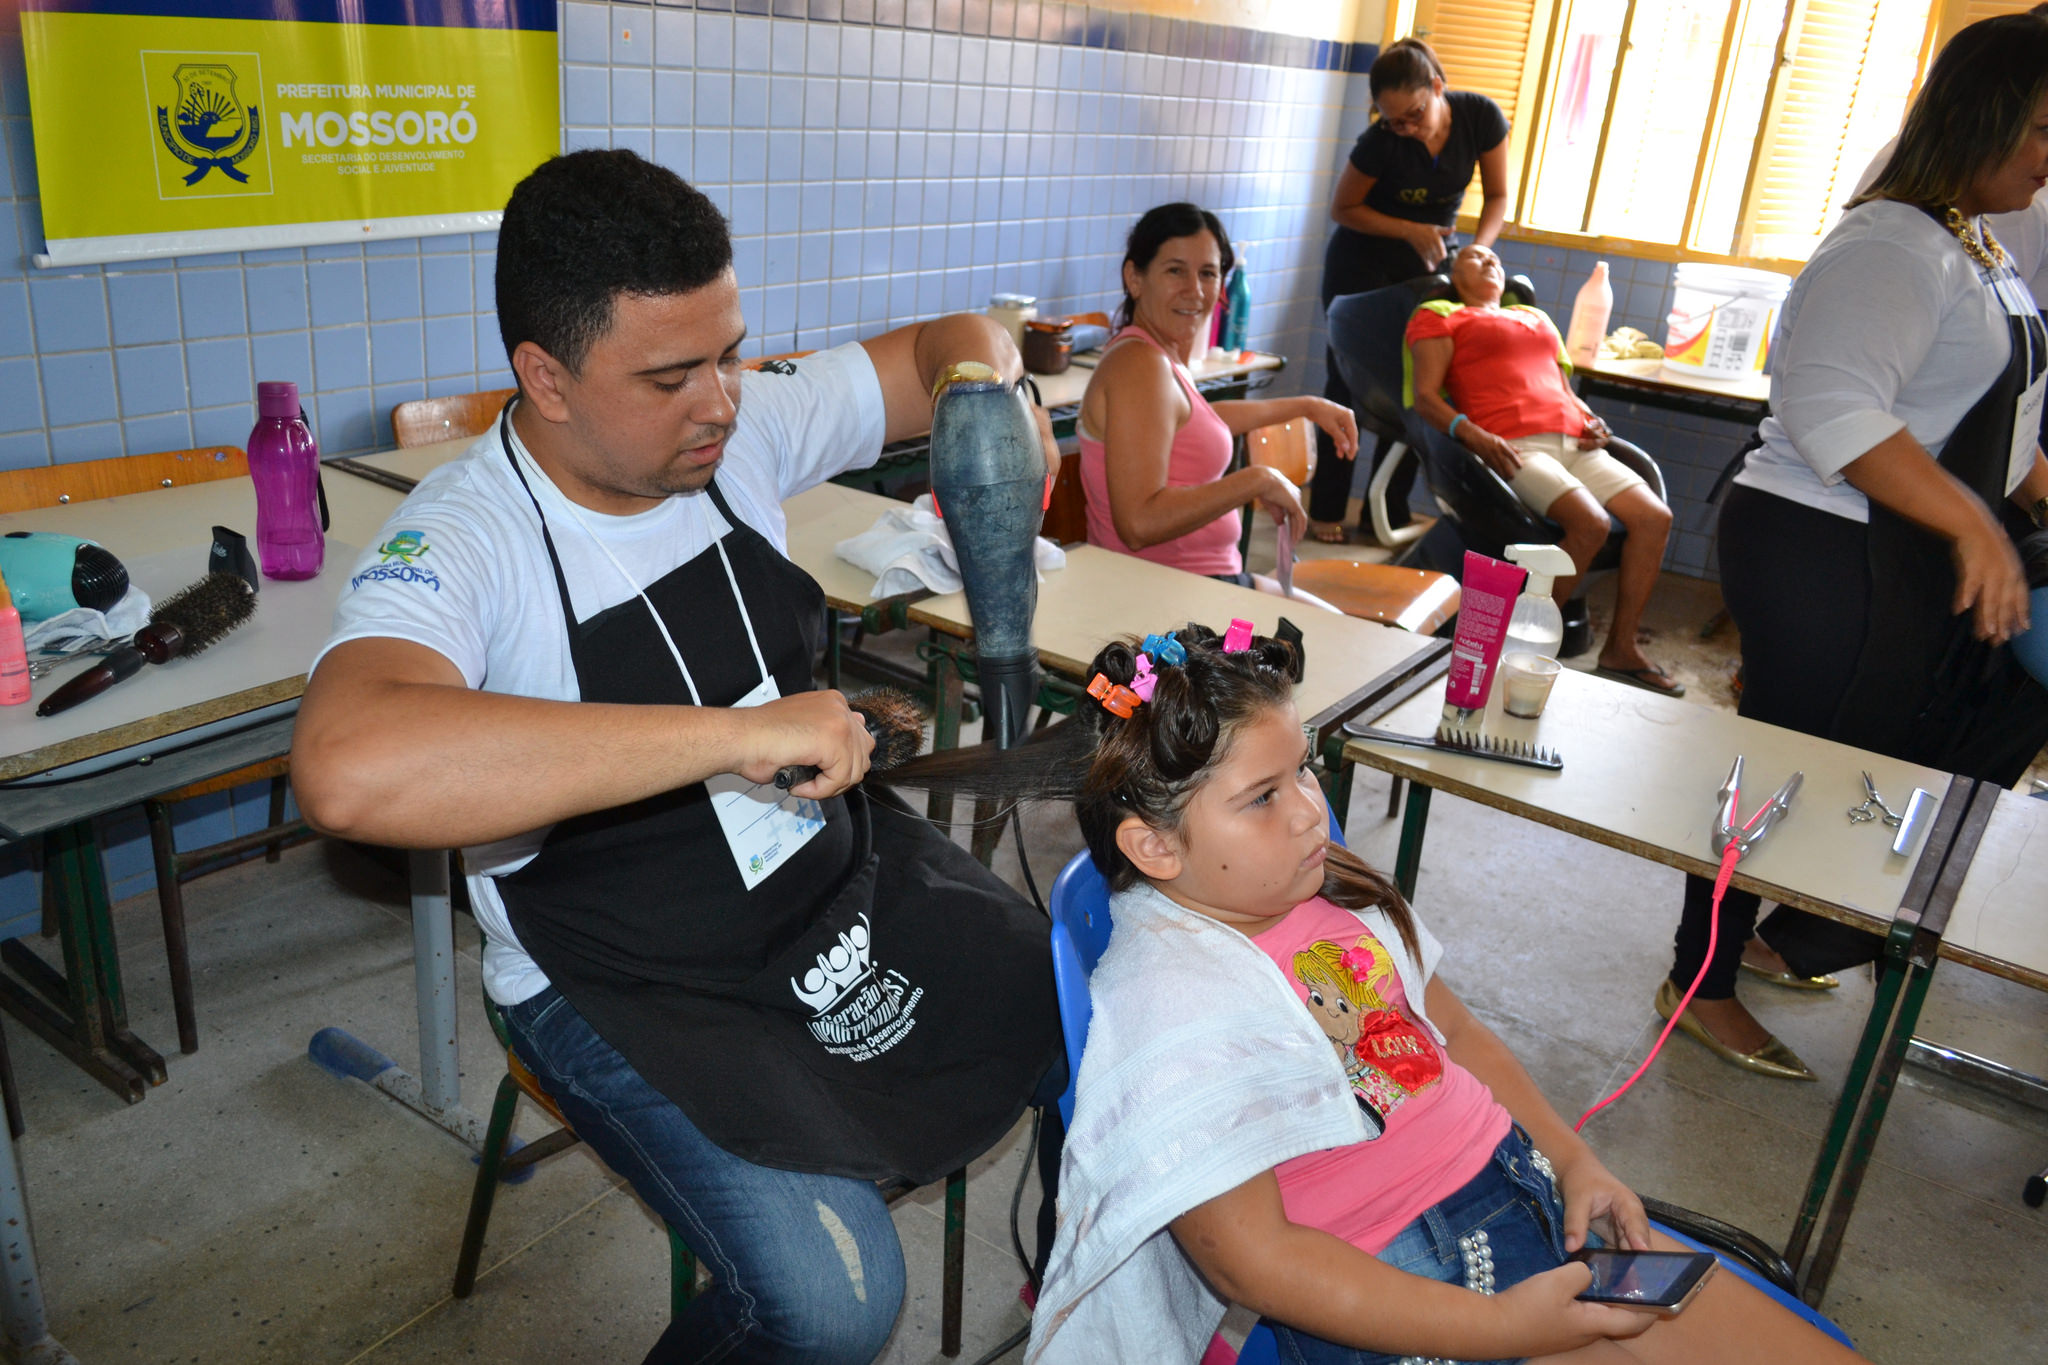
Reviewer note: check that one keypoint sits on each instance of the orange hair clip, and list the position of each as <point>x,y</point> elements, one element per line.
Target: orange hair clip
<point>1116,699</point>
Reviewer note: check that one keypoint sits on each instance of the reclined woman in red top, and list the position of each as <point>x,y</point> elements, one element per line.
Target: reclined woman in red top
<point>1493,378</point>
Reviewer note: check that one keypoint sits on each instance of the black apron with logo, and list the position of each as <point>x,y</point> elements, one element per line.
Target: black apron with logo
<point>880,1006</point>
<point>1926,689</point>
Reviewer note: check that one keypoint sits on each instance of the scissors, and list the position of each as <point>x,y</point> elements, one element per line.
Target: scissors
<point>1863,814</point>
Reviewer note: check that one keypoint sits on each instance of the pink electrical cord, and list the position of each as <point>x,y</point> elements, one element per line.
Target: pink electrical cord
<point>1729,857</point>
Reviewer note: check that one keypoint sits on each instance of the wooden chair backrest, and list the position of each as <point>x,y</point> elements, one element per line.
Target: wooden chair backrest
<point>423,421</point>
<point>25,490</point>
<point>1093,319</point>
<point>1066,516</point>
<point>1289,447</point>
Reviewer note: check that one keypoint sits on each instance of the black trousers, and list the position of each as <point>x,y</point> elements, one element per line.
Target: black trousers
<point>1347,271</point>
<point>1797,584</point>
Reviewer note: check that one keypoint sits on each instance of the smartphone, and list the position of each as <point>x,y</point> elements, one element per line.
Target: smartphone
<point>1653,1281</point>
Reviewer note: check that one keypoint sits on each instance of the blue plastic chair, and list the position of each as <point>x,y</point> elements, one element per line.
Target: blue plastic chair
<point>1080,931</point>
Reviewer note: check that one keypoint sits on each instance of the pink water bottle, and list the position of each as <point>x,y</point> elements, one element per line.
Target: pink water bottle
<point>285,463</point>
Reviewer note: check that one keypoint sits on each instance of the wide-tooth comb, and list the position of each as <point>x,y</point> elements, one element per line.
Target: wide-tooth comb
<point>1450,740</point>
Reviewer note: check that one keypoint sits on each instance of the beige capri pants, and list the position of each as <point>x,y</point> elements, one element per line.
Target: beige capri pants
<point>1553,465</point>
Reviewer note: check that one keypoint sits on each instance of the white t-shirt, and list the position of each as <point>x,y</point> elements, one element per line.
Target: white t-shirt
<point>1889,327</point>
<point>461,567</point>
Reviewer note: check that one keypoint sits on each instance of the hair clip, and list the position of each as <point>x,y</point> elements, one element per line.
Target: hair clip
<point>1146,679</point>
<point>1238,638</point>
<point>1166,650</point>
<point>1116,699</point>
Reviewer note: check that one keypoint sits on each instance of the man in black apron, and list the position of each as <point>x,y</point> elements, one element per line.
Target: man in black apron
<point>580,653</point>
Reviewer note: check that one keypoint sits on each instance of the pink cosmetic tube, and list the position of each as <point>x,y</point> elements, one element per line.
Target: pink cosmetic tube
<point>1487,600</point>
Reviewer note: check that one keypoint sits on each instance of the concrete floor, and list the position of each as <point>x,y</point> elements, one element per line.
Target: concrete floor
<point>255,1209</point>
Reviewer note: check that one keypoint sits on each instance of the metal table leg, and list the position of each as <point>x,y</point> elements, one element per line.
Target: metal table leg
<point>1911,951</point>
<point>436,1093</point>
<point>21,1312</point>
<point>1408,862</point>
<point>81,1011</point>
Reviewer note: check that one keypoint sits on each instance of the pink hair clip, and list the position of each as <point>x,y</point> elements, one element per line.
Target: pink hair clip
<point>1238,638</point>
<point>1146,679</point>
<point>1116,699</point>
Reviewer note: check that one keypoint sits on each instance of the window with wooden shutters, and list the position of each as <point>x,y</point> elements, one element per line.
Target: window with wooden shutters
<point>1840,95</point>
<point>1701,129</point>
<point>1496,48</point>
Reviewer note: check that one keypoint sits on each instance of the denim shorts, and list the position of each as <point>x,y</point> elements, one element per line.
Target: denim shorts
<point>1505,1225</point>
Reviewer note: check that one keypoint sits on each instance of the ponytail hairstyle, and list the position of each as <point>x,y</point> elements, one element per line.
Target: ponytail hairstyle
<point>1149,765</point>
<point>1155,229</point>
<point>1406,64</point>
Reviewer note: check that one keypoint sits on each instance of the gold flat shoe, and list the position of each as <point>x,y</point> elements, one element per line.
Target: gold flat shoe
<point>1791,982</point>
<point>1772,1059</point>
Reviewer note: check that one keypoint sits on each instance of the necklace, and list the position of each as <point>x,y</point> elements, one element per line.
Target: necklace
<point>1986,252</point>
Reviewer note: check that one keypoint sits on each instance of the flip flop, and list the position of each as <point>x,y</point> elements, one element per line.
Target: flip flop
<point>1651,679</point>
<point>1329,532</point>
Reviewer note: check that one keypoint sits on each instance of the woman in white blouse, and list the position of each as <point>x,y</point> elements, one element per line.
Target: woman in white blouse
<point>1866,548</point>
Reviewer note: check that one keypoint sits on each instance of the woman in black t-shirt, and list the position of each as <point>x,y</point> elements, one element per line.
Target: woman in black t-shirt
<point>1396,201</point>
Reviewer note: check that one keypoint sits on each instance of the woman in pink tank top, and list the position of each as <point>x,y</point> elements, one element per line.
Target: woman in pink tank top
<point>1155,454</point>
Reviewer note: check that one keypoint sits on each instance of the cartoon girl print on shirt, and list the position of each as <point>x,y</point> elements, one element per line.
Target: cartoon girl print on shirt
<point>1386,1056</point>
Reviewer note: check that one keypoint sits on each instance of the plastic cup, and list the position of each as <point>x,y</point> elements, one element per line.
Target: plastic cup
<point>1527,679</point>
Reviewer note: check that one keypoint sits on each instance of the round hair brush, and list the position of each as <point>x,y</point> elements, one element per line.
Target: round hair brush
<point>895,719</point>
<point>184,623</point>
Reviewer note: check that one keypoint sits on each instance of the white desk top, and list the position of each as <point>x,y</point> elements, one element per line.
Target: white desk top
<point>1059,390</point>
<point>1654,374</point>
<point>1101,595</point>
<point>1999,923</point>
<point>1641,772</point>
<point>162,536</point>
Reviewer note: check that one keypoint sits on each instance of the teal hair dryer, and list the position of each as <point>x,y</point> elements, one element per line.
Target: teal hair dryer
<point>49,574</point>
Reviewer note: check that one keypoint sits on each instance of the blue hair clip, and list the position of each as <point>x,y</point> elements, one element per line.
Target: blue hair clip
<point>1166,650</point>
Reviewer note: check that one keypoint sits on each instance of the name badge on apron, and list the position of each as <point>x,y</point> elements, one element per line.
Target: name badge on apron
<point>763,825</point>
<point>2026,422</point>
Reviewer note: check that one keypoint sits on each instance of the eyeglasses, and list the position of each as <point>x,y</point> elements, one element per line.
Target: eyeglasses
<point>1412,121</point>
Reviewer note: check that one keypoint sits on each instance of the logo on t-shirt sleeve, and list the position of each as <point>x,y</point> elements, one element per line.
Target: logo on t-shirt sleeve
<point>398,563</point>
<point>1354,995</point>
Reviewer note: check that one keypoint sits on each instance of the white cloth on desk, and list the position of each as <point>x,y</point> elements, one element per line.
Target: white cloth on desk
<point>1202,1070</point>
<point>909,548</point>
<point>1889,327</point>
<point>82,627</point>
<point>461,568</point>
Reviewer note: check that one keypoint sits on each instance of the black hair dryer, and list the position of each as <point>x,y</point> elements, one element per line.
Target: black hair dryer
<point>989,481</point>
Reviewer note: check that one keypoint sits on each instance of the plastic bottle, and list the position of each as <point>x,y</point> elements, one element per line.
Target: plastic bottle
<point>14,681</point>
<point>1590,311</point>
<point>284,461</point>
<point>1237,323</point>
<point>1537,626</point>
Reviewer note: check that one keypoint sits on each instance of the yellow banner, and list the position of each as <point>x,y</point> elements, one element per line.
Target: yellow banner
<point>157,135</point>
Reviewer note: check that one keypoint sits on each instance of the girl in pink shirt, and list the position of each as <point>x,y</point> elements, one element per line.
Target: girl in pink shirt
<point>1444,1231</point>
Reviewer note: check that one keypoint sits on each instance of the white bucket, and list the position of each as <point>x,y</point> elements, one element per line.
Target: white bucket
<point>1721,320</point>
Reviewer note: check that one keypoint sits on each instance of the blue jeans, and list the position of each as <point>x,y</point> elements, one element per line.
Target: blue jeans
<point>1512,1204</point>
<point>805,1269</point>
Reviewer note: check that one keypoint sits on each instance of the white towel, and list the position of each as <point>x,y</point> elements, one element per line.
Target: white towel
<point>909,548</point>
<point>83,628</point>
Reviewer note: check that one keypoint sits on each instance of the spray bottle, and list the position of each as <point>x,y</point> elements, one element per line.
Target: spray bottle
<point>1537,626</point>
